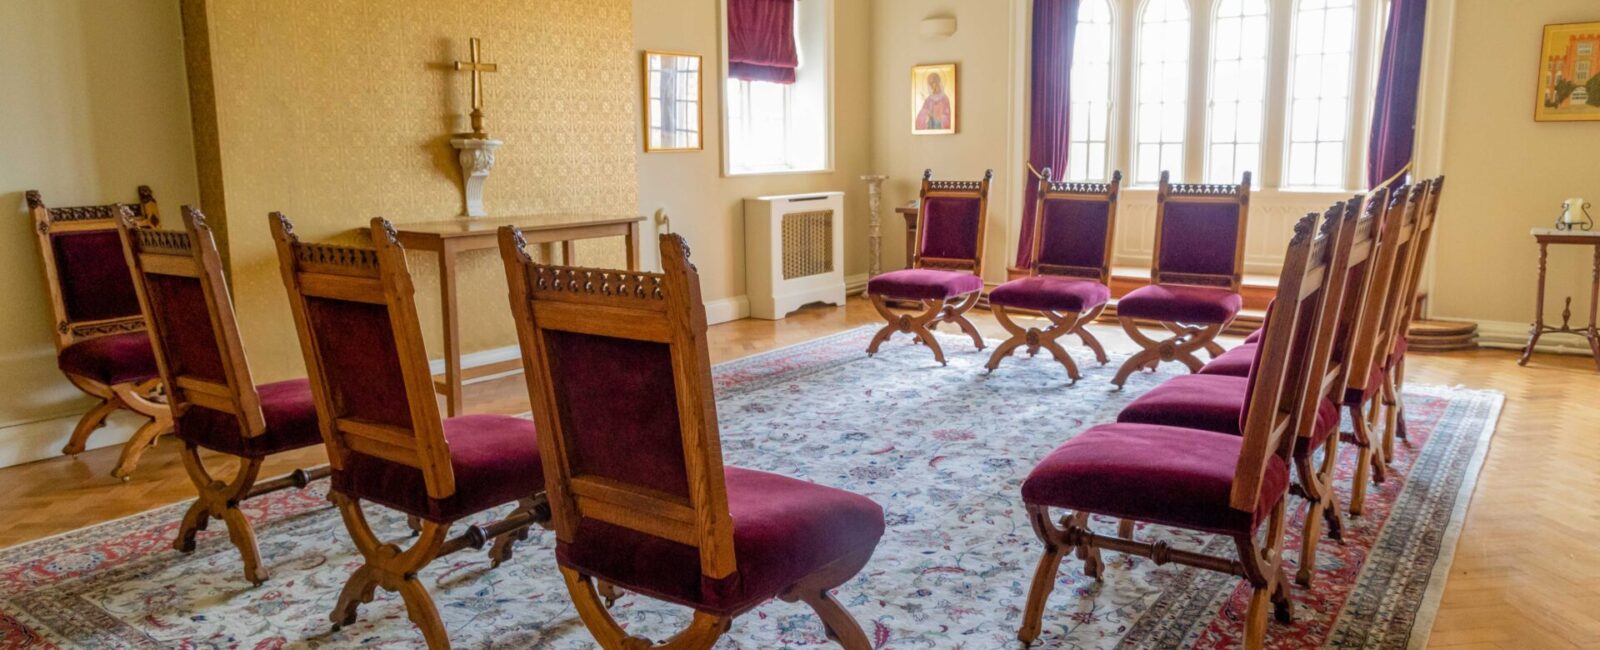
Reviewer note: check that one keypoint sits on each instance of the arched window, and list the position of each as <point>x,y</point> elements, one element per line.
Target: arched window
<point>1320,88</point>
<point>1091,93</point>
<point>1239,37</point>
<point>1163,90</point>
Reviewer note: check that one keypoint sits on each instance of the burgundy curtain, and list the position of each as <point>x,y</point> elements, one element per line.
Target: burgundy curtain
<point>1055,23</point>
<point>1394,110</point>
<point>761,40</point>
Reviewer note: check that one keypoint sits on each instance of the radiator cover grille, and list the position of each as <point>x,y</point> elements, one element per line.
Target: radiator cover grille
<point>807,244</point>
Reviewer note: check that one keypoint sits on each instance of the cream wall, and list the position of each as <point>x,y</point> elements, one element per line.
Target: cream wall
<point>95,105</point>
<point>1506,172</point>
<point>707,207</point>
<point>338,111</point>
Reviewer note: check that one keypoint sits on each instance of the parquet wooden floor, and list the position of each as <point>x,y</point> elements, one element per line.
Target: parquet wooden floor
<point>1526,572</point>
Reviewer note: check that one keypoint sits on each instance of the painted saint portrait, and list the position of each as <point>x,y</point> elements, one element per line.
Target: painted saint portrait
<point>933,99</point>
<point>1569,73</point>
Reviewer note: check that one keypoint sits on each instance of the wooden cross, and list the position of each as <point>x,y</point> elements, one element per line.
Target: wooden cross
<point>477,67</point>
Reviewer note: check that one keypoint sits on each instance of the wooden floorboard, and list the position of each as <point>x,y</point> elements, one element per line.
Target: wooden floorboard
<point>1525,573</point>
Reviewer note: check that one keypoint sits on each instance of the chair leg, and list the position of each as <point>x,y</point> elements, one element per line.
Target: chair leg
<point>536,507</point>
<point>1035,338</point>
<point>393,569</point>
<point>836,620</point>
<point>701,634</point>
<point>1018,337</point>
<point>1044,576</point>
<point>141,399</point>
<point>1179,347</point>
<point>221,500</point>
<point>1088,338</point>
<point>1358,483</point>
<point>89,423</point>
<point>957,313</point>
<point>915,325</point>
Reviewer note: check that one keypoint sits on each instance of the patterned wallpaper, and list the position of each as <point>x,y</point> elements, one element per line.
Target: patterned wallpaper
<point>335,111</point>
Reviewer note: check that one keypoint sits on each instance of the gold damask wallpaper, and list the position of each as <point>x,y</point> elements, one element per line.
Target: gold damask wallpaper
<point>335,111</point>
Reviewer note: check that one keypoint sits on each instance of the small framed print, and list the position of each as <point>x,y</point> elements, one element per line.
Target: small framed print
<point>1569,74</point>
<point>674,115</point>
<point>933,99</point>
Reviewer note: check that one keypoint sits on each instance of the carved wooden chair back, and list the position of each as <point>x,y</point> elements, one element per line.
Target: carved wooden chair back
<point>1074,226</point>
<point>1366,211</point>
<point>1422,241</point>
<point>1395,227</point>
<point>1396,303</point>
<point>1334,249</point>
<point>1200,230</point>
<point>952,218</point>
<point>91,290</point>
<point>194,333</point>
<point>356,313</point>
<point>1277,390</point>
<point>618,366</point>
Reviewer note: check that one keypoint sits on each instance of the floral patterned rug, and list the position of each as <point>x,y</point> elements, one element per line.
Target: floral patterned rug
<point>944,449</point>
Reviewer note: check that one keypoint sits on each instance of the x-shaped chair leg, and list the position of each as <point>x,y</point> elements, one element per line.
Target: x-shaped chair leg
<point>1186,340</point>
<point>1035,338</point>
<point>920,325</point>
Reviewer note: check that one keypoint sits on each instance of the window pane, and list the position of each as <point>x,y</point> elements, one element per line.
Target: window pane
<point>1163,89</point>
<point>1091,93</point>
<point>1238,88</point>
<point>1319,125</point>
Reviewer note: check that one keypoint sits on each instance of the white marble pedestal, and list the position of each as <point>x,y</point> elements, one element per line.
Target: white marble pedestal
<point>477,160</point>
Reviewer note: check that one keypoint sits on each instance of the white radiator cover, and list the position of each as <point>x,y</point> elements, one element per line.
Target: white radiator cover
<point>794,252</point>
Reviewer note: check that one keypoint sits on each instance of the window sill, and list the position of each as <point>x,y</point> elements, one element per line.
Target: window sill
<point>777,172</point>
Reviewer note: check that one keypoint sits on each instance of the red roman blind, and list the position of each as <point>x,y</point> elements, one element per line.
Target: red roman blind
<point>761,43</point>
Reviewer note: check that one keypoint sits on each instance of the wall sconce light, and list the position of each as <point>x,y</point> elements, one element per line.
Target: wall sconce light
<point>938,26</point>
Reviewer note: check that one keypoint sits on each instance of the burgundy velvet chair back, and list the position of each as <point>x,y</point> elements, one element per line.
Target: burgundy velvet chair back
<point>1200,232</point>
<point>1074,225</point>
<point>91,290</point>
<point>620,380</point>
<point>951,220</point>
<point>179,282</point>
<point>1276,391</point>
<point>1385,276</point>
<point>355,310</point>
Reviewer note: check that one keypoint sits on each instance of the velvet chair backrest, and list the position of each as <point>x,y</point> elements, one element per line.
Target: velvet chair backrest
<point>1074,225</point>
<point>1395,228</point>
<point>620,381</point>
<point>356,314</point>
<point>1200,232</point>
<point>91,290</point>
<point>1275,389</point>
<point>1422,240</point>
<point>179,281</point>
<point>952,218</point>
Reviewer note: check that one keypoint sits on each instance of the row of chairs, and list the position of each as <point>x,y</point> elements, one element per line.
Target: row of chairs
<point>1220,451</point>
<point>638,497</point>
<point>1195,274</point>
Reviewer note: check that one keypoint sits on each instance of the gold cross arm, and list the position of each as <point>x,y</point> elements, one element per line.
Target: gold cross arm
<point>477,66</point>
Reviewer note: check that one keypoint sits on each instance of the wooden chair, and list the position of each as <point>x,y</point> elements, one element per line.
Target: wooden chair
<point>215,403</point>
<point>1195,274</point>
<point>1196,480</point>
<point>356,314</point>
<point>1214,398</point>
<point>100,342</point>
<point>1395,366</point>
<point>946,273</point>
<point>620,382</point>
<point>1074,226</point>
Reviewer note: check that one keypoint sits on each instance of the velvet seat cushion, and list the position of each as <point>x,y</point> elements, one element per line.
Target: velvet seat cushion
<point>784,529</point>
<point>1156,474</point>
<point>1254,336</point>
<point>1051,293</point>
<point>289,412</point>
<point>1180,303</point>
<point>1213,403</point>
<point>495,459</point>
<point>112,359</point>
<point>924,284</point>
<point>1233,363</point>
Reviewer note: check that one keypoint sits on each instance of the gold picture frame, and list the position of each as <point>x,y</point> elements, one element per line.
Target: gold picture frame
<point>934,95</point>
<point>1569,73</point>
<point>673,104</point>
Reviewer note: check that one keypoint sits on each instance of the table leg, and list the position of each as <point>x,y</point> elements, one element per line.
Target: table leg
<point>1538,313</point>
<point>452,333</point>
<point>631,244</point>
<point>568,258</point>
<point>911,240</point>
<point>1594,310</point>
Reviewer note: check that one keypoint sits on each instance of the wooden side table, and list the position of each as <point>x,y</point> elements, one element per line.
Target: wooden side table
<point>448,239</point>
<point>1546,237</point>
<point>909,211</point>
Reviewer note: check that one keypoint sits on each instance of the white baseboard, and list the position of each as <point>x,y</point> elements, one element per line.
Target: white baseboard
<point>1510,335</point>
<point>855,285</point>
<point>30,441</point>
<point>727,309</point>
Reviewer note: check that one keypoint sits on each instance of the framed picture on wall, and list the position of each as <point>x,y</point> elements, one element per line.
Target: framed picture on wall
<point>933,99</point>
<point>674,116</point>
<point>1569,73</point>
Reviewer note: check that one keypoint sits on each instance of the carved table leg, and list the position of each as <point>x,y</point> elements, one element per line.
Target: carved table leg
<point>1538,310</point>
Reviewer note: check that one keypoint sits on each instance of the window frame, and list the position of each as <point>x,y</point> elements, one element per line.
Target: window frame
<point>816,40</point>
<point>1114,63</point>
